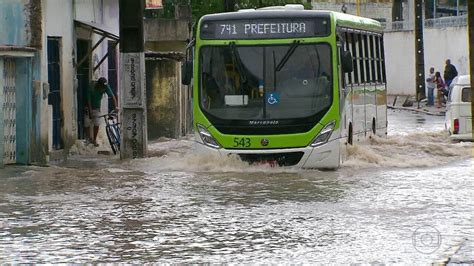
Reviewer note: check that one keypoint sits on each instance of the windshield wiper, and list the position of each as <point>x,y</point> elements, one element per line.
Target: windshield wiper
<point>287,56</point>
<point>240,66</point>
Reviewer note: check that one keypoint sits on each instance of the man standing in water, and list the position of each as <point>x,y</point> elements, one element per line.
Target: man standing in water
<point>94,98</point>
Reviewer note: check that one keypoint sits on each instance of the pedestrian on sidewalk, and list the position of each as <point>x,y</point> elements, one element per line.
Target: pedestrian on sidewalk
<point>430,84</point>
<point>94,99</point>
<point>450,72</point>
<point>440,85</point>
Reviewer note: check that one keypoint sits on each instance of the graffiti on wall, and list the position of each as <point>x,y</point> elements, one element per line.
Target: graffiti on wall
<point>133,137</point>
<point>132,83</point>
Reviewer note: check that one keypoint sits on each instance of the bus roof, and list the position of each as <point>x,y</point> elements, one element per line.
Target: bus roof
<point>355,22</point>
<point>264,14</point>
<point>341,19</point>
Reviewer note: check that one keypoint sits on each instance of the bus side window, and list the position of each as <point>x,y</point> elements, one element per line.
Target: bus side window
<point>355,56</point>
<point>382,59</point>
<point>347,47</point>
<point>361,58</point>
<point>378,60</point>
<point>372,59</point>
<point>368,72</point>
<point>346,61</point>
<point>186,72</point>
<point>187,65</point>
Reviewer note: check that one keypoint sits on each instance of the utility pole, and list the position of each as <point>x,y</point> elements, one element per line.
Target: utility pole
<point>470,23</point>
<point>358,7</point>
<point>419,52</point>
<point>132,80</point>
<point>229,5</point>
<point>457,7</point>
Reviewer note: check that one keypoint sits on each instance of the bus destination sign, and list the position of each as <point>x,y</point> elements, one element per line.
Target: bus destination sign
<point>265,29</point>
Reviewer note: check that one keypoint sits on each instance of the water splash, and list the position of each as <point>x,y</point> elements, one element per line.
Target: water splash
<point>190,161</point>
<point>83,148</point>
<point>411,150</point>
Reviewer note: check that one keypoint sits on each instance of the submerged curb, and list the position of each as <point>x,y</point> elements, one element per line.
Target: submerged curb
<point>408,103</point>
<point>419,110</point>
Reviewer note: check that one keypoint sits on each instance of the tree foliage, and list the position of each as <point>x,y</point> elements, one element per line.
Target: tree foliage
<point>200,8</point>
<point>203,7</point>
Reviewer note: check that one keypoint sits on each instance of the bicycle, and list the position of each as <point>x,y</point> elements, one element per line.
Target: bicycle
<point>112,130</point>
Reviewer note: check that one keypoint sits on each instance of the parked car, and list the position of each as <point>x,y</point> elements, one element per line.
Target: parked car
<point>458,109</point>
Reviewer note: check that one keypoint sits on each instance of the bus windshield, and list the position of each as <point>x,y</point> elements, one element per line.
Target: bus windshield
<point>265,82</point>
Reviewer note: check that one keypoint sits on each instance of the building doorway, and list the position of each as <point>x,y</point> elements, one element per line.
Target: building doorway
<point>83,79</point>
<point>112,71</point>
<point>9,111</point>
<point>54,97</point>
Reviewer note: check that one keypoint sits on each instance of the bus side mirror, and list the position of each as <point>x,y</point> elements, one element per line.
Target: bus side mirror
<point>346,62</point>
<point>186,72</point>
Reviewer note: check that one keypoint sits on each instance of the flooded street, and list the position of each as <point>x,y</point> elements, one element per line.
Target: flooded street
<point>407,198</point>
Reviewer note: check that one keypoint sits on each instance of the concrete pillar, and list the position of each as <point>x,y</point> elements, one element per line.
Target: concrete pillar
<point>133,99</point>
<point>132,80</point>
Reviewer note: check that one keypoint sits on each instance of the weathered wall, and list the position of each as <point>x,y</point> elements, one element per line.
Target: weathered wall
<point>168,46</point>
<point>21,28</point>
<point>14,13</point>
<point>168,104</point>
<point>35,28</point>
<point>1,114</point>
<point>162,102</point>
<point>21,23</point>
<point>439,45</point>
<point>166,30</point>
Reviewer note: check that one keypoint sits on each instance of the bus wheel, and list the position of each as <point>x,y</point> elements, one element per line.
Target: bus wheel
<point>373,126</point>
<point>349,135</point>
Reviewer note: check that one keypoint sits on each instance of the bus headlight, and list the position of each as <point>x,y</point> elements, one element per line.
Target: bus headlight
<point>207,138</point>
<point>324,135</point>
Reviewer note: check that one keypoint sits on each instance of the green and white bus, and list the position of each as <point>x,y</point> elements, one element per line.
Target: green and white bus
<point>286,86</point>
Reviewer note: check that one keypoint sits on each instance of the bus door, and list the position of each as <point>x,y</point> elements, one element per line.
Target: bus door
<point>344,73</point>
<point>342,89</point>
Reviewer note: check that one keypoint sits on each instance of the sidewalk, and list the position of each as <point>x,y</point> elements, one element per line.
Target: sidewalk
<point>404,102</point>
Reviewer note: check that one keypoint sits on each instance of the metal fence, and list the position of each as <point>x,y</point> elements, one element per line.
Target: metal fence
<point>435,23</point>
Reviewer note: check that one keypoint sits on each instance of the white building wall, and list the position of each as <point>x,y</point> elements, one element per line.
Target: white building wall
<point>59,23</point>
<point>400,62</point>
<point>448,43</point>
<point>439,45</point>
<point>371,10</point>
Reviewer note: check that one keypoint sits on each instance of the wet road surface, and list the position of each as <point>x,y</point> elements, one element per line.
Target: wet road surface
<point>406,198</point>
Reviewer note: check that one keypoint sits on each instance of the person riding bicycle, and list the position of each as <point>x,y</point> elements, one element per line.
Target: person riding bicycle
<point>94,98</point>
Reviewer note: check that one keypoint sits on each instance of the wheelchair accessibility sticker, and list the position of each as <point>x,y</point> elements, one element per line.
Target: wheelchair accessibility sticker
<point>273,98</point>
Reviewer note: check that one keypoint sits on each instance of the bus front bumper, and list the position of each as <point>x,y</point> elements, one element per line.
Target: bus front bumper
<point>324,156</point>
